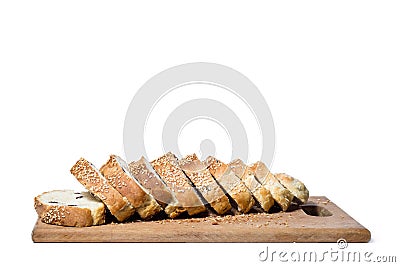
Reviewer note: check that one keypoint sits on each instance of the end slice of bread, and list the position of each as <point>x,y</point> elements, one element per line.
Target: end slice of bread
<point>69,208</point>
<point>91,178</point>
<point>295,186</point>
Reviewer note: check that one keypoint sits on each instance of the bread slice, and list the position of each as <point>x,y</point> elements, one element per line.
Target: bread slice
<point>88,175</point>
<point>204,182</point>
<point>232,184</point>
<point>69,208</point>
<point>145,174</point>
<point>117,173</point>
<point>261,194</point>
<point>295,186</point>
<point>281,195</point>
<point>167,167</point>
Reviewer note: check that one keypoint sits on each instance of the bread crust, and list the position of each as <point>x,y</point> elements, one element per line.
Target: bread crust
<point>204,182</point>
<point>119,177</point>
<point>167,168</point>
<point>231,184</point>
<point>65,215</point>
<point>282,196</point>
<point>87,174</point>
<point>295,186</point>
<point>261,194</point>
<point>145,174</point>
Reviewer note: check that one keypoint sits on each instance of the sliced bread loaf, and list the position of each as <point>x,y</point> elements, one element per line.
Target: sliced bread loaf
<point>145,174</point>
<point>204,182</point>
<point>295,186</point>
<point>117,173</point>
<point>261,194</point>
<point>167,167</point>
<point>232,184</point>
<point>281,195</point>
<point>69,208</point>
<point>91,178</point>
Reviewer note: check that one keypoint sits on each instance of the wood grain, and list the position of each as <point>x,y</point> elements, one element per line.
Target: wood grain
<point>294,226</point>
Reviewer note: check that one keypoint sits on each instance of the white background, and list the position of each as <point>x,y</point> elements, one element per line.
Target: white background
<point>330,72</point>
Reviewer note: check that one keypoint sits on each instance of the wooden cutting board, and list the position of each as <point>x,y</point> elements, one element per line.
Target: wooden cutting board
<point>293,226</point>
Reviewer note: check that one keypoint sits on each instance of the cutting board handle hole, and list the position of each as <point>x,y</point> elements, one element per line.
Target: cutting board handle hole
<point>315,210</point>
